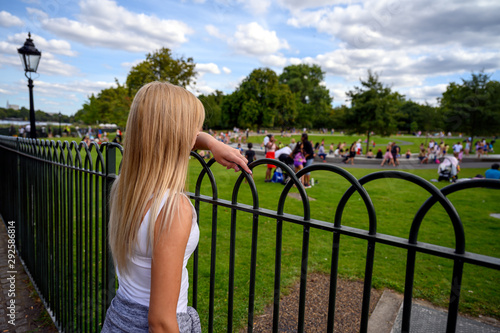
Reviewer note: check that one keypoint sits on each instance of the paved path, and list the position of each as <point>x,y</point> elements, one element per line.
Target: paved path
<point>20,310</point>
<point>425,318</point>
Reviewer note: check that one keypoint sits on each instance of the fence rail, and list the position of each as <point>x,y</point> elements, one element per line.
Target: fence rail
<point>57,194</point>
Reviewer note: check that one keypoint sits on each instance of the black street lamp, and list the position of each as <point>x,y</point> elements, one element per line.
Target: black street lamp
<point>30,57</point>
<point>60,115</point>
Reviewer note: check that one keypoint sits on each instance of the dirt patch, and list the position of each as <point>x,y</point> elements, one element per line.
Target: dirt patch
<point>298,197</point>
<point>347,307</point>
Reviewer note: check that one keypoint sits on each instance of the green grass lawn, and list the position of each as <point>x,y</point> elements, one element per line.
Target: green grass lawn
<point>404,141</point>
<point>395,201</point>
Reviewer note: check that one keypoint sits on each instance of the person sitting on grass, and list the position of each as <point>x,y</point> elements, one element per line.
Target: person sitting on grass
<point>321,153</point>
<point>493,173</point>
<point>422,156</point>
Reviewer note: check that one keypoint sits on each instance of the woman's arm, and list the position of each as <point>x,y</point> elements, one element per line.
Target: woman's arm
<point>224,154</point>
<point>166,269</point>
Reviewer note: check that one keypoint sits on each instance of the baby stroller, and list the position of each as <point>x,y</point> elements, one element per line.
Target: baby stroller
<point>448,169</point>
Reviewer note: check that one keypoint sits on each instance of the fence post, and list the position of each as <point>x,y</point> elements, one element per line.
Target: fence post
<point>109,290</point>
<point>18,181</point>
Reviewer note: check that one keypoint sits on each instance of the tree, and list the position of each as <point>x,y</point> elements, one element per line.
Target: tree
<point>473,107</point>
<point>160,66</point>
<point>313,100</point>
<point>260,101</point>
<point>213,112</point>
<point>111,105</point>
<point>373,108</point>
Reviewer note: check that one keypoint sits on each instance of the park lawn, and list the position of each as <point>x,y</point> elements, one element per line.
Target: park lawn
<point>395,202</point>
<point>404,141</point>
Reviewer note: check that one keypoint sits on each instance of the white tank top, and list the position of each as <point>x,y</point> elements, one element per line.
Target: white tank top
<point>136,285</point>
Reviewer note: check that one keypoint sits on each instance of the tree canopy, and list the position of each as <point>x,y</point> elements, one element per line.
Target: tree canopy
<point>312,98</point>
<point>260,101</point>
<point>374,108</point>
<point>473,107</point>
<point>112,105</point>
<point>161,66</point>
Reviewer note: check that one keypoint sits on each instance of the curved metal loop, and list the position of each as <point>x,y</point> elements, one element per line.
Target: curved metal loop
<point>89,164</point>
<point>59,152</point>
<point>205,170</point>
<point>78,156</point>
<point>53,151</point>
<point>294,181</point>
<point>251,183</point>
<point>291,173</point>
<point>433,190</point>
<point>69,156</point>
<point>424,209</point>
<point>43,150</point>
<point>355,186</point>
<point>99,160</point>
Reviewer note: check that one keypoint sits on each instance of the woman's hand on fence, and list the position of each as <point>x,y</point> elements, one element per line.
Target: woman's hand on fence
<point>225,155</point>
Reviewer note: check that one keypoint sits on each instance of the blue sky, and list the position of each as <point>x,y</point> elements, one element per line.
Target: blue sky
<point>417,47</point>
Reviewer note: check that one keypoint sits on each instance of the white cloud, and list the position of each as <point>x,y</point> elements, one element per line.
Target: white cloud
<point>5,92</point>
<point>401,24</point>
<point>131,64</point>
<point>50,65</point>
<point>226,70</point>
<point>256,7</point>
<point>297,5</point>
<point>8,20</point>
<point>53,45</point>
<point>273,60</point>
<point>426,94</point>
<point>202,89</point>
<point>214,31</point>
<point>84,87</point>
<point>253,39</point>
<point>208,68</point>
<point>102,23</point>
<point>9,60</point>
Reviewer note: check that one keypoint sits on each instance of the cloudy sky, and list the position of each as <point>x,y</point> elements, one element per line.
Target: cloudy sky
<point>417,46</point>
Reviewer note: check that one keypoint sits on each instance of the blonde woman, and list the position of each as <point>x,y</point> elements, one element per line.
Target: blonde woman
<point>152,228</point>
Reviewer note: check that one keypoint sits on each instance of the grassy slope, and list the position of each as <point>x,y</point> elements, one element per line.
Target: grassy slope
<point>395,201</point>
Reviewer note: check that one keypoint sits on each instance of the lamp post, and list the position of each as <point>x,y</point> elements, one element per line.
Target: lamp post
<point>60,115</point>
<point>30,58</point>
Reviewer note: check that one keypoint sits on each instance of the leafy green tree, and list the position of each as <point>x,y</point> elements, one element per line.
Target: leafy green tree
<point>111,105</point>
<point>408,113</point>
<point>473,107</point>
<point>260,101</point>
<point>213,112</point>
<point>313,100</point>
<point>374,108</point>
<point>337,117</point>
<point>161,66</point>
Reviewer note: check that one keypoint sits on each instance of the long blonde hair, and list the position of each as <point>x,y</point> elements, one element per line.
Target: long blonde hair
<point>163,122</point>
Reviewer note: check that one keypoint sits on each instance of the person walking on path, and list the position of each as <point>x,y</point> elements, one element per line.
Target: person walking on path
<point>309,155</point>
<point>271,149</point>
<point>352,154</point>
<point>152,228</point>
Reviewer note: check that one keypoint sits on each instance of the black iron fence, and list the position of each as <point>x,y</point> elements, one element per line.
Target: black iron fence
<point>56,193</point>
